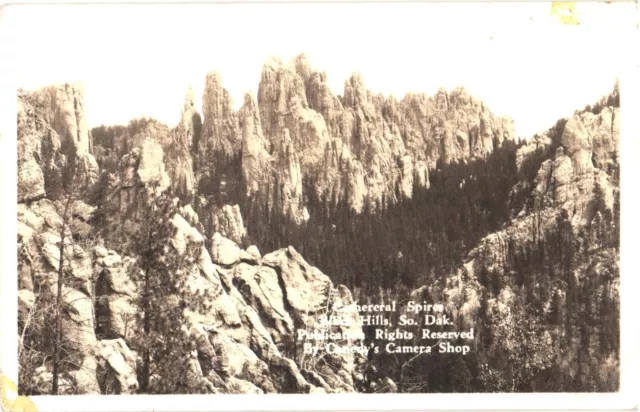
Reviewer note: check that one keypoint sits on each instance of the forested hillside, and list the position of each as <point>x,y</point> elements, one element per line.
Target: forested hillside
<point>563,280</point>
<point>243,228</point>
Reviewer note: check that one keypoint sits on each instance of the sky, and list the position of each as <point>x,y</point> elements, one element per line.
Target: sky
<point>138,60</point>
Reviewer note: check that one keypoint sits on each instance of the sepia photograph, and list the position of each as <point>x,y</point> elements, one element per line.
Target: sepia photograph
<point>409,198</point>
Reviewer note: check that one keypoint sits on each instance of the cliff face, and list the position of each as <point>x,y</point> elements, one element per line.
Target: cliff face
<point>359,147</point>
<point>161,202</point>
<point>563,241</point>
<point>220,128</point>
<point>52,135</point>
<point>366,147</point>
<point>239,330</point>
<point>578,179</point>
<point>63,108</point>
<point>245,342</point>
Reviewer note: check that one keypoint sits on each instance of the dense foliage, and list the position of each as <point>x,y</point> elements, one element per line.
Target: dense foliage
<point>559,300</point>
<point>394,246</point>
<point>561,332</point>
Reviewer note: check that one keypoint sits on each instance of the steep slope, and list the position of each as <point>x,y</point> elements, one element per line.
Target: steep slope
<point>367,150</point>
<point>52,135</point>
<point>361,147</point>
<point>543,291</point>
<point>230,318</point>
<point>426,198</point>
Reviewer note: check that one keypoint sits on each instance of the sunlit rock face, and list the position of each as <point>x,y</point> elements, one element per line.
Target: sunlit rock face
<point>62,107</point>
<point>244,338</point>
<point>228,221</point>
<point>53,135</point>
<point>579,177</point>
<point>574,188</point>
<point>252,306</point>
<point>220,128</point>
<point>361,148</point>
<point>257,162</point>
<point>297,135</point>
<point>141,175</point>
<point>89,360</point>
<point>364,147</point>
<point>259,304</point>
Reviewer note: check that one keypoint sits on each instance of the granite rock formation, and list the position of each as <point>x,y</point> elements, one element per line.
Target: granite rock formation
<point>360,147</point>
<point>220,128</point>
<point>52,136</point>
<point>245,343</point>
<point>244,338</point>
<point>574,189</point>
<point>243,311</point>
<point>364,145</point>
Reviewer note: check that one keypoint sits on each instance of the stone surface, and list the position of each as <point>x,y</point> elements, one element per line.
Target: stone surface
<point>141,174</point>
<point>228,221</point>
<point>52,131</point>
<point>224,251</point>
<point>246,342</point>
<point>39,241</point>
<point>63,108</point>
<point>115,295</point>
<point>220,128</point>
<point>119,366</point>
<point>257,163</point>
<point>377,143</point>
<point>571,180</point>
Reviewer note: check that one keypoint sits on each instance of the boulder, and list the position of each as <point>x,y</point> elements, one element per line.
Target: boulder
<point>118,367</point>
<point>224,251</point>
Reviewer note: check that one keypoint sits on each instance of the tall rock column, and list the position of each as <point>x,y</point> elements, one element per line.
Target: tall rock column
<point>63,109</point>
<point>220,129</point>
<point>52,135</point>
<point>257,163</point>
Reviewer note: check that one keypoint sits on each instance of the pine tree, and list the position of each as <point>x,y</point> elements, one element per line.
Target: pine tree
<point>160,272</point>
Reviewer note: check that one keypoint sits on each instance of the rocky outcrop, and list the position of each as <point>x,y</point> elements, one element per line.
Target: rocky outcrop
<point>220,128</point>
<point>185,132</point>
<point>247,332</point>
<point>593,140</point>
<point>115,295</point>
<point>141,171</point>
<point>53,136</point>
<point>363,146</point>
<point>288,196</point>
<point>257,163</point>
<point>276,179</point>
<point>561,237</point>
<point>175,146</point>
<point>579,177</point>
<point>116,366</point>
<point>259,305</point>
<point>87,361</point>
<point>62,107</point>
<point>179,159</point>
<point>243,315</point>
<point>228,221</point>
